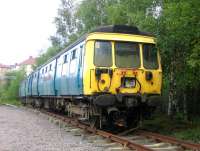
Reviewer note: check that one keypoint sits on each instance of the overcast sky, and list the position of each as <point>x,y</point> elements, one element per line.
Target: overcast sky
<point>25,26</point>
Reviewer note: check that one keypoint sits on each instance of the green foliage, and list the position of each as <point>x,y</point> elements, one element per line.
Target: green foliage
<point>65,22</point>
<point>162,123</point>
<point>194,58</point>
<point>9,91</point>
<point>51,51</point>
<point>192,134</point>
<point>12,102</point>
<point>178,29</point>
<point>177,127</point>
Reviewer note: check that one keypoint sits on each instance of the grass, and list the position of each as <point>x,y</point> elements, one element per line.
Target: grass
<point>176,127</point>
<point>192,135</point>
<point>10,101</point>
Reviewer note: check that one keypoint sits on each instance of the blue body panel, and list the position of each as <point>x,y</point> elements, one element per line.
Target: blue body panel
<point>35,83</point>
<point>46,86</point>
<point>22,90</point>
<point>28,87</point>
<point>69,74</point>
<point>62,76</point>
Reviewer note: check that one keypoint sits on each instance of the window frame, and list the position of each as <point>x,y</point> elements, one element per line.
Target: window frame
<point>95,51</point>
<point>50,67</point>
<point>46,69</point>
<point>73,54</point>
<point>157,59</point>
<point>65,58</point>
<point>139,66</point>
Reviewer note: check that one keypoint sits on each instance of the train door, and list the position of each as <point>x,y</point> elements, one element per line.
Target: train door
<point>75,71</point>
<point>57,77</point>
<point>64,83</point>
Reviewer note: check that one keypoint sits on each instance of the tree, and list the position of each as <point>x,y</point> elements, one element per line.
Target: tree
<point>177,32</point>
<point>11,89</point>
<point>51,51</point>
<point>65,22</point>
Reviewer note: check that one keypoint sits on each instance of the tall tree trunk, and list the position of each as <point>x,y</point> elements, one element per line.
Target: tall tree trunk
<point>185,106</point>
<point>172,104</point>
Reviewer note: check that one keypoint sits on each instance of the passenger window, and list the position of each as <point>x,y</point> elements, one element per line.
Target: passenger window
<point>73,54</point>
<point>103,53</point>
<point>46,70</point>
<point>65,58</point>
<point>50,67</point>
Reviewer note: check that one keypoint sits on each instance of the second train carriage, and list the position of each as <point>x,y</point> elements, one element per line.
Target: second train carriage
<point>108,76</point>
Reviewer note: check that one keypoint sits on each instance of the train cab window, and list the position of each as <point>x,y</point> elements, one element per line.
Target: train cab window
<point>103,53</point>
<point>65,58</point>
<point>150,59</point>
<point>127,54</point>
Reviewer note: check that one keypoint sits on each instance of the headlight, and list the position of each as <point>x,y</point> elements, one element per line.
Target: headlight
<point>128,82</point>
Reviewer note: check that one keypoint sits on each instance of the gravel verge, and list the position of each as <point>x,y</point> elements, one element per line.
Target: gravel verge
<point>23,129</point>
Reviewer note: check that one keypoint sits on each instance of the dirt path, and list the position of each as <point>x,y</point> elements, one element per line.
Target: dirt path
<point>23,130</point>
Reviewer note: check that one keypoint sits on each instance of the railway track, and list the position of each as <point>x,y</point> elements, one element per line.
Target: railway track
<point>138,140</point>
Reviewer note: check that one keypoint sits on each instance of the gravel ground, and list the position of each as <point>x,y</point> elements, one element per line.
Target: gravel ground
<point>24,130</point>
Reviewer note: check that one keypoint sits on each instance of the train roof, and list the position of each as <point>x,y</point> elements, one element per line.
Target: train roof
<point>123,29</point>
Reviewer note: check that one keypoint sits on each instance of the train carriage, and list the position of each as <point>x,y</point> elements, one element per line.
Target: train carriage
<point>46,86</point>
<point>35,83</point>
<point>107,77</point>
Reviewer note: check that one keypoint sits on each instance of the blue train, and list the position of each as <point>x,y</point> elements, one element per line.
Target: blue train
<point>107,77</point>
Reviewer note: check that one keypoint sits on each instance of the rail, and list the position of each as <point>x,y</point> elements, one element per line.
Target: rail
<point>126,142</point>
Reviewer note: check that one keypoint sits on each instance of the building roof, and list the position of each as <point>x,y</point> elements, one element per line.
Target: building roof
<point>4,66</point>
<point>29,61</point>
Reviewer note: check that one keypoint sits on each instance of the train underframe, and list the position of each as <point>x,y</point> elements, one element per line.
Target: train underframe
<point>103,111</point>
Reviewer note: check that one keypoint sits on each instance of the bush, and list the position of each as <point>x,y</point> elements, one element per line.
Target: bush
<point>9,92</point>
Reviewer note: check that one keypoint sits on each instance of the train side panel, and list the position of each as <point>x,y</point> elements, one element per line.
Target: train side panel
<point>35,83</point>
<point>75,71</point>
<point>57,78</point>
<point>46,79</point>
<point>22,90</point>
<point>69,72</point>
<point>40,82</point>
<point>28,88</point>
